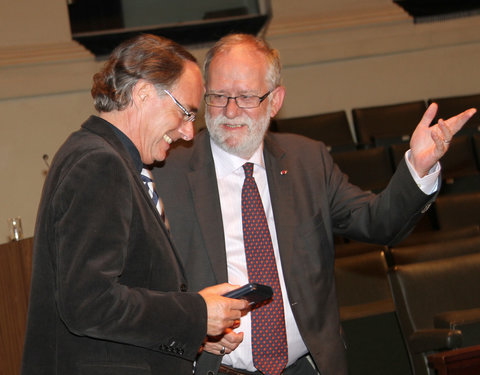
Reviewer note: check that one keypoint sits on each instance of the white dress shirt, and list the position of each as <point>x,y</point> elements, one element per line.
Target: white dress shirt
<point>230,178</point>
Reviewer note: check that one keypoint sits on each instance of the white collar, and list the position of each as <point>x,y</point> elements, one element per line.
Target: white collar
<point>226,163</point>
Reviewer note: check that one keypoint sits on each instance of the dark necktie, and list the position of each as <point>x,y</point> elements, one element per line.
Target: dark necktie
<point>269,339</point>
<point>147,179</point>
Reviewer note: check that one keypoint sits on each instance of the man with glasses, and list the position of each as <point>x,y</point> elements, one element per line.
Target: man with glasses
<point>305,199</point>
<point>109,293</point>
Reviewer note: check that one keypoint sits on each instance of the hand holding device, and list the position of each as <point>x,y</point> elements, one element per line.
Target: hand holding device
<point>252,292</point>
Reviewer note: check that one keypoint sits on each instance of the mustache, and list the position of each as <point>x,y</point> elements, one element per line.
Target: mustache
<point>222,119</point>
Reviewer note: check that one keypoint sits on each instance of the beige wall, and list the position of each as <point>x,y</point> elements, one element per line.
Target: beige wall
<point>337,55</point>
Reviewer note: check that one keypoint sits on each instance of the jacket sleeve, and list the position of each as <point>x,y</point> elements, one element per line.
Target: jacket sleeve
<point>384,218</point>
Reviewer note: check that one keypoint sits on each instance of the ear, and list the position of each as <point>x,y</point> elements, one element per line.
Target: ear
<point>277,100</point>
<point>141,91</point>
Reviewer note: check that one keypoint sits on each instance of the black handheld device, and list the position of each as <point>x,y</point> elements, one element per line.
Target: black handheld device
<point>252,292</point>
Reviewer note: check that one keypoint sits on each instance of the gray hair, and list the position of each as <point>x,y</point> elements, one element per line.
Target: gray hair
<point>157,60</point>
<point>271,55</point>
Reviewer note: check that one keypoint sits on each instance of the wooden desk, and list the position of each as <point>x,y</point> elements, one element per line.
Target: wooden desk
<point>15,276</point>
<point>463,361</point>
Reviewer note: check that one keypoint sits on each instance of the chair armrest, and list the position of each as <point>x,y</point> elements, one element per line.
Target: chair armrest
<point>426,340</point>
<point>453,319</point>
<point>466,321</point>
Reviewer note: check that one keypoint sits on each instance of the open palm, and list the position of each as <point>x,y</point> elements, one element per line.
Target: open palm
<point>429,143</point>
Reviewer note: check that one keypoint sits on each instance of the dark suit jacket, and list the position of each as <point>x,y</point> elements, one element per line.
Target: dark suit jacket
<point>311,202</point>
<point>108,291</point>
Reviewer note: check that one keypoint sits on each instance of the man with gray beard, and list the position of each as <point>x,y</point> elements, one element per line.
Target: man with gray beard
<point>306,200</point>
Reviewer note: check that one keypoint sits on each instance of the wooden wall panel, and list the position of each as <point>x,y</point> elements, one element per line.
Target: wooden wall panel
<point>15,276</point>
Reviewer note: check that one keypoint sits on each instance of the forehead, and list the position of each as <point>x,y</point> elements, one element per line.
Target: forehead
<point>189,87</point>
<point>240,68</point>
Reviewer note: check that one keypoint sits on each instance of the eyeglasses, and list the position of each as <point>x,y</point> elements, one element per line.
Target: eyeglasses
<point>189,116</point>
<point>242,101</point>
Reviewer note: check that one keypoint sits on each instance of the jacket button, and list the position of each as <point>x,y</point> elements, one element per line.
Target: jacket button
<point>183,288</point>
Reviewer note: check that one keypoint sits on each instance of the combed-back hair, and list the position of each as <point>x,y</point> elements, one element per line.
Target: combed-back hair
<point>157,60</point>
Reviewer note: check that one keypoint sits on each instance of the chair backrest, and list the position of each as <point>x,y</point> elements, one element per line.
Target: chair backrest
<point>423,290</point>
<point>361,279</point>
<point>350,248</point>
<point>397,121</point>
<point>460,159</point>
<point>451,106</point>
<point>432,236</point>
<point>331,128</point>
<point>476,147</point>
<point>397,151</point>
<point>433,251</point>
<point>370,169</point>
<point>454,211</point>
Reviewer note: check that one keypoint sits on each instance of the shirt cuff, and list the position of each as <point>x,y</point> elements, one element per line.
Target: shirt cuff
<point>429,183</point>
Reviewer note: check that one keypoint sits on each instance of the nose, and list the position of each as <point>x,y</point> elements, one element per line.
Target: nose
<point>232,110</point>
<point>186,130</point>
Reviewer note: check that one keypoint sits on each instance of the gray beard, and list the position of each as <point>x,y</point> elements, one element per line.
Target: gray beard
<point>249,144</point>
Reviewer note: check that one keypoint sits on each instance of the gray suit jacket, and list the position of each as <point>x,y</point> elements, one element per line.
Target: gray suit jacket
<point>311,202</point>
<point>108,291</point>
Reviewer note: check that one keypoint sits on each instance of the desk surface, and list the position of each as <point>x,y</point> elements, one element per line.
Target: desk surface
<point>463,361</point>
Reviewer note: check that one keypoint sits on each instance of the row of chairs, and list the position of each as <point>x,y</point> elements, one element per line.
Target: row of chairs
<point>372,168</point>
<point>399,305</point>
<point>377,125</point>
<point>382,134</point>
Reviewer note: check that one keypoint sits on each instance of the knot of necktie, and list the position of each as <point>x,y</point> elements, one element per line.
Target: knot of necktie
<point>248,168</point>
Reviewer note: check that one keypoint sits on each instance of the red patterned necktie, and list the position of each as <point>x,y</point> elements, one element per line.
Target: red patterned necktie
<point>269,339</point>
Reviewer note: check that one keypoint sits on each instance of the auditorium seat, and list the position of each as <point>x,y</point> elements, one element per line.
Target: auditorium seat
<point>383,125</point>
<point>331,128</point>
<point>431,236</point>
<point>370,328</point>
<point>431,251</point>
<point>437,303</point>
<point>370,169</point>
<point>455,211</point>
<point>451,106</point>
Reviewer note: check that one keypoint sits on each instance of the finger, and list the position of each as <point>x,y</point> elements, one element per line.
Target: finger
<point>445,130</point>
<point>455,123</point>
<point>237,305</point>
<point>232,339</point>
<point>428,116</point>
<point>440,146</point>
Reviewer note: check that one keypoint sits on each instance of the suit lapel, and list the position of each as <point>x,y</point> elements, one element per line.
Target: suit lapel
<point>283,205</point>
<point>100,127</point>
<point>203,184</point>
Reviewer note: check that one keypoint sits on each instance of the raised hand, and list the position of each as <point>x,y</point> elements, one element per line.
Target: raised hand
<point>429,143</point>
